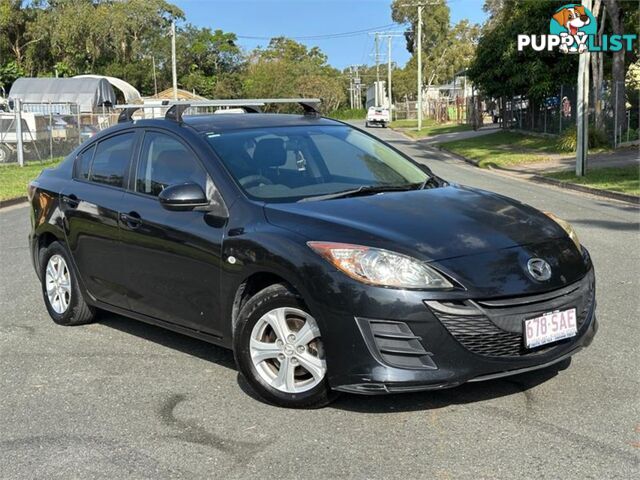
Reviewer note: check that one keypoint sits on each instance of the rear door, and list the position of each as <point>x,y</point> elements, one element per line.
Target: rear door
<point>91,205</point>
<point>171,258</point>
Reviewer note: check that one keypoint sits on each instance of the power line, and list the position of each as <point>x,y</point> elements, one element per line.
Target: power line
<point>321,37</point>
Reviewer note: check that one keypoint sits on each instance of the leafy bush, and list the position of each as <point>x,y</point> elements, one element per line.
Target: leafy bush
<point>568,141</point>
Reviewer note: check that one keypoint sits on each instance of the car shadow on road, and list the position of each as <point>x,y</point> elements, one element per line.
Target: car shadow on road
<point>464,394</point>
<point>406,402</point>
<point>167,338</point>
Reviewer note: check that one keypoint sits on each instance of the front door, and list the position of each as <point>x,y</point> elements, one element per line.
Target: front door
<point>172,258</point>
<point>91,204</point>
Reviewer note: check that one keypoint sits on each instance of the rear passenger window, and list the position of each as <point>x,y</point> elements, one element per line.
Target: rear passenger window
<point>83,165</point>
<point>165,161</point>
<point>111,159</point>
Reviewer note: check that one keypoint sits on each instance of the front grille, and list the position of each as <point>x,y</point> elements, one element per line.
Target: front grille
<point>493,328</point>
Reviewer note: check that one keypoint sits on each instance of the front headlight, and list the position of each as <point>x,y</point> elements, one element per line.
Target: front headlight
<point>379,267</point>
<point>566,226</point>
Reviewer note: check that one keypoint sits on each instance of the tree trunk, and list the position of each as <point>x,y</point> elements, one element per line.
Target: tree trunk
<point>597,73</point>
<point>617,68</point>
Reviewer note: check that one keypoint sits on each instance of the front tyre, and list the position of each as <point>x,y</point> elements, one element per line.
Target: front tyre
<point>60,291</point>
<point>278,349</point>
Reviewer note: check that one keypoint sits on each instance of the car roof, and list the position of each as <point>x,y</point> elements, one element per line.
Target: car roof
<point>238,121</point>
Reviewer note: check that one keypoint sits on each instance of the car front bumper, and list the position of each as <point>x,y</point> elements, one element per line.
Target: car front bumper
<point>400,344</point>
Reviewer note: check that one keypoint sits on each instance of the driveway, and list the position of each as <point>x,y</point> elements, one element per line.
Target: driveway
<point>121,399</point>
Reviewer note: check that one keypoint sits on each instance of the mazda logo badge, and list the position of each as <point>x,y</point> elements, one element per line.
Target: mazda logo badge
<point>539,269</point>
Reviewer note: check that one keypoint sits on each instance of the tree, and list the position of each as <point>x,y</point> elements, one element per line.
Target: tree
<point>287,68</point>
<point>500,70</point>
<point>435,23</point>
<point>15,37</point>
<point>617,67</point>
<point>597,67</point>
<point>8,73</point>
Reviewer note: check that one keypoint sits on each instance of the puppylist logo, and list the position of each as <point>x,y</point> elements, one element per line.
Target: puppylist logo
<point>573,29</point>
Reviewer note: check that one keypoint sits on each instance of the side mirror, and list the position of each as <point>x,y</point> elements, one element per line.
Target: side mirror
<point>182,197</point>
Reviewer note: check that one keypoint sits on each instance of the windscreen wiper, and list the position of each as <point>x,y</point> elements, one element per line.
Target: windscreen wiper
<point>363,190</point>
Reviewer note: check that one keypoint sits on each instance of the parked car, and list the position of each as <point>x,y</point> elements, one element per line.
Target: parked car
<point>377,116</point>
<point>325,258</point>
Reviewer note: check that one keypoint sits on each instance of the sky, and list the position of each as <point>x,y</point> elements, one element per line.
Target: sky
<point>297,18</point>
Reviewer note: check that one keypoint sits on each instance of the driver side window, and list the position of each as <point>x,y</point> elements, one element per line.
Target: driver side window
<point>165,161</point>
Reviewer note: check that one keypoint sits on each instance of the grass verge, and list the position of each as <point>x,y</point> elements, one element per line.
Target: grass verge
<point>429,128</point>
<point>623,180</point>
<point>14,179</point>
<point>504,148</point>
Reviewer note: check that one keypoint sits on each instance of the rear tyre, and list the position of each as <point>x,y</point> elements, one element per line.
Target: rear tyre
<point>367,124</point>
<point>278,350</point>
<point>60,291</point>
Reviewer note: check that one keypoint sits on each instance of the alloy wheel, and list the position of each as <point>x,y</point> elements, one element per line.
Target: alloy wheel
<point>286,350</point>
<point>58,284</point>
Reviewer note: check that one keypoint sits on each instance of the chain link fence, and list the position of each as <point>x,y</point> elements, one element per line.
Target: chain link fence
<point>556,114</point>
<point>443,109</point>
<point>48,130</point>
<point>52,130</point>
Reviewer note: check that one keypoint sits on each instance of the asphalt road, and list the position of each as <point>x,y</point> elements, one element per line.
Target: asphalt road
<point>120,399</point>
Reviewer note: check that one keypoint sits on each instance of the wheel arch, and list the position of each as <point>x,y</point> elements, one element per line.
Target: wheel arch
<point>253,283</point>
<point>42,240</point>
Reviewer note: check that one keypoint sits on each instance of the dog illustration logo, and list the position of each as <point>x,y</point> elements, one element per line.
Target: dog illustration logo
<point>575,21</point>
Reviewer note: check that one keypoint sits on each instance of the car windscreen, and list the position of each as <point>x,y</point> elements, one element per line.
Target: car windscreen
<point>283,164</point>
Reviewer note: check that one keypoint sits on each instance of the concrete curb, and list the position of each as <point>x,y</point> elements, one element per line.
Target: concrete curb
<point>552,181</point>
<point>12,201</point>
<point>582,188</point>
<point>404,135</point>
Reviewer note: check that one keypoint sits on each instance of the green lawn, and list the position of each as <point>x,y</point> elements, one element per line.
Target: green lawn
<point>625,179</point>
<point>429,128</point>
<point>14,179</point>
<point>504,148</point>
<point>348,114</point>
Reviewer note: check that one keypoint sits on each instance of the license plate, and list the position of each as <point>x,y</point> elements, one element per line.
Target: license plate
<point>550,328</point>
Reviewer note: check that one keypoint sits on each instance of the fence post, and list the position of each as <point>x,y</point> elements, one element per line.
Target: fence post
<point>79,129</point>
<point>50,132</point>
<point>560,110</point>
<point>19,151</point>
<point>615,118</point>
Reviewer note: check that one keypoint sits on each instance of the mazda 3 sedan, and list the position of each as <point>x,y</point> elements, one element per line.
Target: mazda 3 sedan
<point>325,258</point>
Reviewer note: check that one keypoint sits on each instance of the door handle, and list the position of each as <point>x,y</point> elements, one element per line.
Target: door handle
<point>131,220</point>
<point>71,200</point>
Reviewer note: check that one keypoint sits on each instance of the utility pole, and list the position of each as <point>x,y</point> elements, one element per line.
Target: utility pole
<point>389,38</point>
<point>420,66</point>
<point>420,7</point>
<point>377,89</point>
<point>155,80</point>
<point>582,120</point>
<point>173,60</point>
<point>357,93</point>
